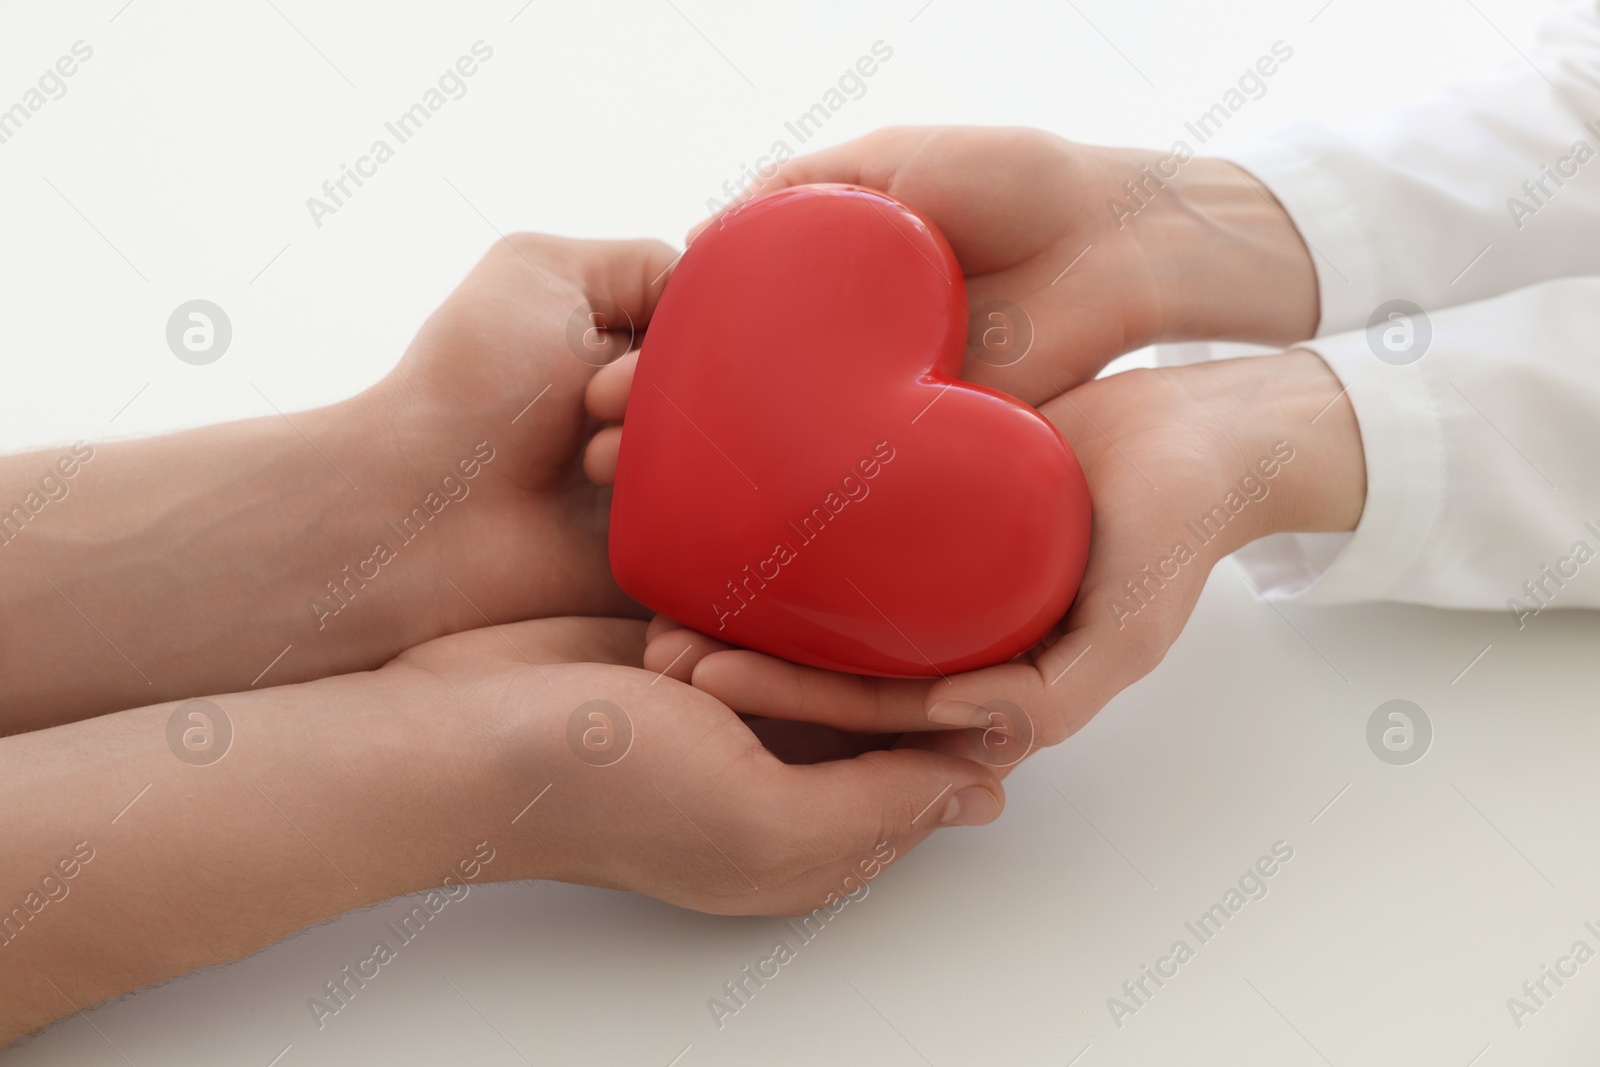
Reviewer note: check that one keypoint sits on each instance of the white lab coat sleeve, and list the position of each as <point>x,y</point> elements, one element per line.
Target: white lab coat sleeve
<point>1481,189</point>
<point>1482,460</point>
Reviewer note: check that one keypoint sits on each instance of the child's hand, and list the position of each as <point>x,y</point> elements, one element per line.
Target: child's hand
<point>1192,249</point>
<point>528,750</point>
<point>497,362</point>
<point>325,541</point>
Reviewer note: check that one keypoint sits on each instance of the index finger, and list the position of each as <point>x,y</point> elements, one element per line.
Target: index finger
<point>1052,693</point>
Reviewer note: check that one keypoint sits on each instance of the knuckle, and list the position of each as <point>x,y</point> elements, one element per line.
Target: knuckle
<point>1146,653</point>
<point>655,248</point>
<point>768,863</point>
<point>527,241</point>
<point>547,253</point>
<point>886,135</point>
<point>892,817</point>
<point>1052,728</point>
<point>883,717</point>
<point>768,852</point>
<point>733,882</point>
<point>797,679</point>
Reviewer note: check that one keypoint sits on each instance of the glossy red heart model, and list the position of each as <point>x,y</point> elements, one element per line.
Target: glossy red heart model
<point>801,470</point>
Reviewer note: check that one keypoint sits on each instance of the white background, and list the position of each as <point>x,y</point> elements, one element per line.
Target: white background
<point>177,166</point>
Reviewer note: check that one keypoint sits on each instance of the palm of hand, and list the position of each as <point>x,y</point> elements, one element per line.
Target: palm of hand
<point>1156,457</point>
<point>682,801</point>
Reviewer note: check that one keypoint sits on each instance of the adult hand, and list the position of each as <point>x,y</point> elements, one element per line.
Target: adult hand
<point>1105,250</point>
<point>1184,464</point>
<point>531,750</point>
<point>300,545</point>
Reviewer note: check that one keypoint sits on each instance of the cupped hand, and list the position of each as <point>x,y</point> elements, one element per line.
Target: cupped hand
<point>1185,465</point>
<point>1075,254</point>
<point>647,784</point>
<point>495,380</point>
<point>534,750</point>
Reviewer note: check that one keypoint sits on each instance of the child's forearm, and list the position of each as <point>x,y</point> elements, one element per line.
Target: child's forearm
<point>128,863</point>
<point>149,570</point>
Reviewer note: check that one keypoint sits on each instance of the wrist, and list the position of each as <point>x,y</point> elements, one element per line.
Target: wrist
<point>406,778</point>
<point>428,480</point>
<point>367,581</point>
<point>493,516</point>
<point>1291,414</point>
<point>1227,262</point>
<point>1278,440</point>
<point>493,734</point>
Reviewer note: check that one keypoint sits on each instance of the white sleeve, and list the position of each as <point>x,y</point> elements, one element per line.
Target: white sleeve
<point>1473,192</point>
<point>1483,464</point>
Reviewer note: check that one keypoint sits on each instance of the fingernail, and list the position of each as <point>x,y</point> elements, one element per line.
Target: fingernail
<point>955,713</point>
<point>972,806</point>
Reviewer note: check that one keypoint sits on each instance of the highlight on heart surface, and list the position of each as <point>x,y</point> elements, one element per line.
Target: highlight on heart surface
<point>802,470</point>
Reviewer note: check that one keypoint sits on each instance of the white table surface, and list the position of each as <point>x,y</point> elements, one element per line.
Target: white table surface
<point>1418,898</point>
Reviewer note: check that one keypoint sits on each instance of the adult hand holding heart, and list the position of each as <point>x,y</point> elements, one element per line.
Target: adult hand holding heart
<point>803,473</point>
<point>1046,226</point>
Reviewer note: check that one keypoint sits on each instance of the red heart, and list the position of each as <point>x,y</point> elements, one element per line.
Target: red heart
<point>803,474</point>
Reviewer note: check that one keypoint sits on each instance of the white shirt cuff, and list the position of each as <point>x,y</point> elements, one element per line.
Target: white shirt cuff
<point>1402,438</point>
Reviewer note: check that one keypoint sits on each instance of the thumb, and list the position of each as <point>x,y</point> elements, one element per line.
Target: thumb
<point>857,815</point>
<point>895,795</point>
<point>620,283</point>
<point>1097,655</point>
<point>628,275</point>
<point>835,825</point>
